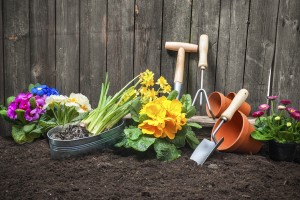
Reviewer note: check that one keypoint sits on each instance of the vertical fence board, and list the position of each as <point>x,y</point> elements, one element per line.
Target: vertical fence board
<point>287,60</point>
<point>67,46</point>
<point>42,41</point>
<point>232,45</point>
<point>92,48</point>
<point>148,27</point>
<point>176,27</point>
<point>205,20</point>
<point>120,43</point>
<point>16,46</point>
<point>260,50</point>
<point>1,59</point>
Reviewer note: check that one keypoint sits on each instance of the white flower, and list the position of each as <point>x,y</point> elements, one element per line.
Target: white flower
<point>50,100</point>
<point>79,101</point>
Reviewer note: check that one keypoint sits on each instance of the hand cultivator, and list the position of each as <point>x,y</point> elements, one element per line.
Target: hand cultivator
<point>203,48</point>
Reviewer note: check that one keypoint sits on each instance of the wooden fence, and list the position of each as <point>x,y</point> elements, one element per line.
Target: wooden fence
<point>70,44</point>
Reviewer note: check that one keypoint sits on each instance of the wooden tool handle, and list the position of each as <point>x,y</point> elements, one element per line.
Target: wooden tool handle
<point>175,46</point>
<point>179,66</point>
<point>237,101</point>
<point>203,49</point>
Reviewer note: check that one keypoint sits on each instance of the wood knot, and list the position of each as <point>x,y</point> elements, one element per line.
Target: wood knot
<point>13,38</point>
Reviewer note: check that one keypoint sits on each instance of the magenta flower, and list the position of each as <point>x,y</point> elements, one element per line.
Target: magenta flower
<point>272,97</point>
<point>11,114</point>
<point>296,115</point>
<point>290,109</point>
<point>263,107</point>
<point>257,113</point>
<point>31,115</point>
<point>285,102</point>
<point>24,105</point>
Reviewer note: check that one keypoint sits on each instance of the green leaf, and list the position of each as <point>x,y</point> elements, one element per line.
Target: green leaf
<point>18,135</point>
<point>36,133</point>
<point>135,108</point>
<point>142,143</point>
<point>133,133</point>
<point>187,107</point>
<point>28,128</point>
<point>80,117</point>
<point>261,137</point>
<point>3,113</point>
<point>172,95</point>
<point>191,139</point>
<point>21,115</point>
<point>9,100</point>
<point>179,140</point>
<point>166,151</point>
<point>32,102</point>
<point>194,124</point>
<point>143,117</point>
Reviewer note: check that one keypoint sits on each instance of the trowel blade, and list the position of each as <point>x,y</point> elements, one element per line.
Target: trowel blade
<point>204,150</point>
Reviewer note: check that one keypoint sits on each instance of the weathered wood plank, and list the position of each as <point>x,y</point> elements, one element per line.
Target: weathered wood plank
<point>42,41</point>
<point>205,20</point>
<point>148,27</point>
<point>287,56</point>
<point>2,98</point>
<point>232,45</point>
<point>260,50</point>
<point>120,43</point>
<point>16,46</point>
<point>177,28</point>
<point>67,46</point>
<point>92,48</point>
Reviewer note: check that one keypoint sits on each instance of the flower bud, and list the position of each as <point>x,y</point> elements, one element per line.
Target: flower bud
<point>288,124</point>
<point>281,107</point>
<point>277,118</point>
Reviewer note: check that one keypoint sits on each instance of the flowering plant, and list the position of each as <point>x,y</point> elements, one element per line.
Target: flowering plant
<point>61,110</point>
<point>160,122</point>
<point>24,112</point>
<point>282,125</point>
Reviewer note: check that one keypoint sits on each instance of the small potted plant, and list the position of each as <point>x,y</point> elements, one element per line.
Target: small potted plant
<point>160,122</point>
<point>24,112</point>
<point>281,127</point>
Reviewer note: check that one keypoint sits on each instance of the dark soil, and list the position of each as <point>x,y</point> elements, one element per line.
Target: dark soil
<point>28,172</point>
<point>71,132</point>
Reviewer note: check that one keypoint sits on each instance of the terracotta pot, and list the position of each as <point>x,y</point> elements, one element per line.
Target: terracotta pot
<point>218,103</point>
<point>282,151</point>
<point>245,107</point>
<point>237,135</point>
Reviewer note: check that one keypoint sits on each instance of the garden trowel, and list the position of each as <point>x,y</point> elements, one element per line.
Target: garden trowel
<point>207,147</point>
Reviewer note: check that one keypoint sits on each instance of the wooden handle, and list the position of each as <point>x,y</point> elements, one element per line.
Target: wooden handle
<point>175,46</point>
<point>179,66</point>
<point>203,49</point>
<point>237,101</point>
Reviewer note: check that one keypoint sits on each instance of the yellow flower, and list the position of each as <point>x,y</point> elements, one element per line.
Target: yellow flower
<point>154,111</point>
<point>147,78</point>
<point>143,90</point>
<point>128,94</point>
<point>149,95</point>
<point>277,118</point>
<point>166,89</point>
<point>151,127</point>
<point>161,82</point>
<point>288,124</point>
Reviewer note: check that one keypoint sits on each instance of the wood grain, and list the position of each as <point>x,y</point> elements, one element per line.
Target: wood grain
<point>93,18</point>
<point>16,46</point>
<point>148,31</point>
<point>205,20</point>
<point>67,46</point>
<point>176,28</point>
<point>232,45</point>
<point>260,50</point>
<point>2,98</point>
<point>120,43</point>
<point>287,56</point>
<point>42,42</point>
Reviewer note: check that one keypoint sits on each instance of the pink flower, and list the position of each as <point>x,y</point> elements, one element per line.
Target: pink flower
<point>285,102</point>
<point>31,115</point>
<point>296,115</point>
<point>272,97</point>
<point>24,105</point>
<point>257,113</point>
<point>263,107</point>
<point>290,109</point>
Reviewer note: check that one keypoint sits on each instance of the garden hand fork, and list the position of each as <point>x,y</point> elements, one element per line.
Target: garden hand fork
<point>203,48</point>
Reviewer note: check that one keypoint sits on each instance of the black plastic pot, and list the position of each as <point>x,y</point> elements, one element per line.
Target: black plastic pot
<point>61,149</point>
<point>282,151</point>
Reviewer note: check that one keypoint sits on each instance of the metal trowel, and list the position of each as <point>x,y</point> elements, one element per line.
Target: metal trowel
<point>207,147</point>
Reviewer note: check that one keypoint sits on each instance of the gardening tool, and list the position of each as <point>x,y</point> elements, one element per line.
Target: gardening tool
<point>206,147</point>
<point>203,48</point>
<point>179,71</point>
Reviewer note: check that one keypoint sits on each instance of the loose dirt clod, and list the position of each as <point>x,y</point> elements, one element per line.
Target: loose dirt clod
<point>72,132</point>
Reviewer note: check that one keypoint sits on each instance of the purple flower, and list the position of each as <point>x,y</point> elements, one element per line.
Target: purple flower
<point>263,107</point>
<point>290,109</point>
<point>24,105</point>
<point>285,102</point>
<point>272,97</point>
<point>296,115</point>
<point>11,114</point>
<point>257,113</point>
<point>31,115</point>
